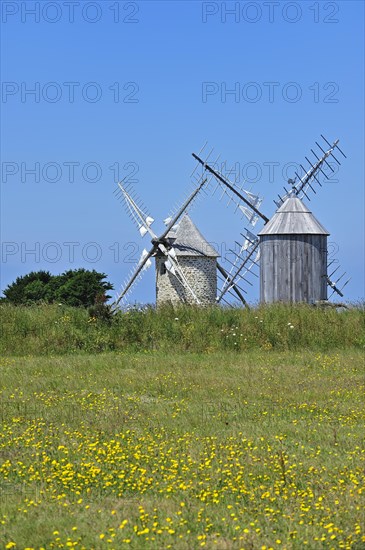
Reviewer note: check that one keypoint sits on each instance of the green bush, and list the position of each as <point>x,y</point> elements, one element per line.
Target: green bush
<point>78,288</point>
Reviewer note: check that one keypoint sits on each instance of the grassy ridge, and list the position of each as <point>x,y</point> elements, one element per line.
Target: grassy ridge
<point>59,330</point>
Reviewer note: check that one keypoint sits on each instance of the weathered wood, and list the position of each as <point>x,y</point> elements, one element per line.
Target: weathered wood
<point>293,261</point>
<point>293,217</point>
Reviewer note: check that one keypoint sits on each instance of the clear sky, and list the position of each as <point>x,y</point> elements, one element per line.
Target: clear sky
<point>136,87</point>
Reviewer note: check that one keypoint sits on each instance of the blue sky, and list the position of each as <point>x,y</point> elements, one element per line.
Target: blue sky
<point>139,86</point>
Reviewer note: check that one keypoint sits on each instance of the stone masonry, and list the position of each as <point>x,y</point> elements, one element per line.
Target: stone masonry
<point>196,259</point>
<point>201,274</point>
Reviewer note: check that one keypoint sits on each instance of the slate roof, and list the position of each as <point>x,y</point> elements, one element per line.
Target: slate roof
<point>293,217</point>
<point>188,241</point>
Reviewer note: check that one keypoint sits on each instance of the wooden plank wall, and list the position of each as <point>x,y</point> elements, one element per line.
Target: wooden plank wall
<point>292,268</point>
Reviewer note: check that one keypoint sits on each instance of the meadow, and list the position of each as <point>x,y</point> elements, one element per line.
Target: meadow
<point>187,436</point>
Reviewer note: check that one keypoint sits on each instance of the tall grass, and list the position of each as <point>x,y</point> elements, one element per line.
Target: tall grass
<point>55,329</point>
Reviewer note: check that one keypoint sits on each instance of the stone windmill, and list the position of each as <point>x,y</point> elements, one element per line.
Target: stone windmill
<point>291,249</point>
<point>186,264</point>
<point>197,259</point>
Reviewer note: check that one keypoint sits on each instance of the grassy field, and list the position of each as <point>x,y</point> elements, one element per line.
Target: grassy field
<point>252,449</point>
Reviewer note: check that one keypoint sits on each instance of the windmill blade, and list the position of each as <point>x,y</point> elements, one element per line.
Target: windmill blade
<point>172,220</point>
<point>203,194</point>
<point>173,266</point>
<point>334,285</point>
<point>250,239</point>
<point>254,200</point>
<point>143,263</point>
<point>139,216</point>
<point>232,188</point>
<point>241,262</point>
<point>334,145</point>
<point>176,270</point>
<point>305,181</point>
<point>201,154</point>
<point>337,147</point>
<point>343,286</point>
<point>234,287</point>
<point>244,263</point>
<point>194,175</point>
<point>341,277</point>
<point>251,216</point>
<point>251,202</point>
<point>318,158</point>
<point>143,256</point>
<point>333,272</point>
<point>234,266</point>
<point>170,267</point>
<point>252,263</point>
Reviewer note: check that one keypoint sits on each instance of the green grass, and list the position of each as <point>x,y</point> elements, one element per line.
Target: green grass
<point>47,330</point>
<point>149,450</point>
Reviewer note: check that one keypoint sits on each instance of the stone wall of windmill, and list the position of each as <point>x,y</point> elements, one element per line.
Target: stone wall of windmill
<point>201,275</point>
<point>197,260</point>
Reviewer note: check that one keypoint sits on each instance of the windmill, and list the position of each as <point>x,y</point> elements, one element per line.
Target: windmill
<point>186,264</point>
<point>292,246</point>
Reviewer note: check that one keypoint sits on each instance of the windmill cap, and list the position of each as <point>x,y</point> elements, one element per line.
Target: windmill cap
<point>188,241</point>
<point>293,218</point>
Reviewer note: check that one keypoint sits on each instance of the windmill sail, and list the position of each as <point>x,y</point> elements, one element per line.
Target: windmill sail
<point>247,200</point>
<point>175,269</point>
<point>247,257</point>
<point>143,221</point>
<point>301,185</point>
<point>334,283</point>
<point>136,211</point>
<point>143,256</point>
<point>136,275</point>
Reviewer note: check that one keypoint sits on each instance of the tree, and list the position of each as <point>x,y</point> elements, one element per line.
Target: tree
<point>35,291</point>
<point>16,293</point>
<point>78,288</point>
<point>81,287</point>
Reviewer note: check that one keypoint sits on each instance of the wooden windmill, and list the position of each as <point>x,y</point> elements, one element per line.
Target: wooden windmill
<point>291,249</point>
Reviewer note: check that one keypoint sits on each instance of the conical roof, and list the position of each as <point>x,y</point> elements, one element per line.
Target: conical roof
<point>293,218</point>
<point>188,241</point>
